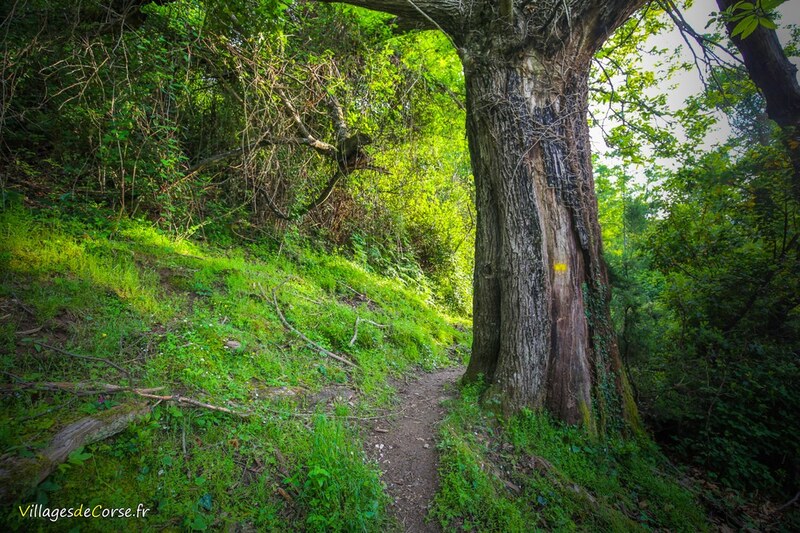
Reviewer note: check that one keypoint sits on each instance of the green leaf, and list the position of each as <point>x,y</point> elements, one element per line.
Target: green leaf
<point>750,28</point>
<point>317,471</point>
<point>769,5</point>
<point>78,457</point>
<point>205,502</point>
<point>199,523</point>
<point>767,23</point>
<point>745,27</point>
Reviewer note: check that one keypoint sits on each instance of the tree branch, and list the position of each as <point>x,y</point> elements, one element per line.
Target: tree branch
<point>320,146</point>
<point>190,401</point>
<point>318,201</point>
<point>776,79</point>
<point>87,357</point>
<point>80,388</point>
<point>771,71</point>
<point>445,15</point>
<point>355,328</point>
<point>287,325</point>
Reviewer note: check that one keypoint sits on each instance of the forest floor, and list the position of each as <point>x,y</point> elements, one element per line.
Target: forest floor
<point>406,450</point>
<point>306,345</point>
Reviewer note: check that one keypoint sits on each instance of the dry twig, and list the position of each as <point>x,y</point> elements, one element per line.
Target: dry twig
<point>189,401</point>
<point>355,328</point>
<point>80,388</point>
<point>87,357</point>
<point>324,351</point>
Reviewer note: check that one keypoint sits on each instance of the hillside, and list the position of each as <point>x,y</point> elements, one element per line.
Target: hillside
<point>204,323</point>
<point>244,422</point>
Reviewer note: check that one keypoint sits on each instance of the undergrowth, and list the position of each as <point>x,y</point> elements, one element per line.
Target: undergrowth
<point>531,473</point>
<point>202,322</point>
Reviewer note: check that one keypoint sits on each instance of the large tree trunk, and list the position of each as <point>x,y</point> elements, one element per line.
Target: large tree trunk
<point>542,333</point>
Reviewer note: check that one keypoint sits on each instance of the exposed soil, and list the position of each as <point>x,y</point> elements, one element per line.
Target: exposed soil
<point>405,447</point>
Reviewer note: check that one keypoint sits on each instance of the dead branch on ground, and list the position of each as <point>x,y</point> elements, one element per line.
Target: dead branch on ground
<point>80,388</point>
<point>324,351</point>
<point>355,328</point>
<point>78,356</point>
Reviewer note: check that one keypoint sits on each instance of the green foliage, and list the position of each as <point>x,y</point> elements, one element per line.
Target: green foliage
<point>705,283</point>
<point>341,491</point>
<point>531,473</point>
<point>138,112</point>
<point>166,308</point>
<point>729,249</point>
<point>703,257</point>
<point>748,16</point>
<point>133,131</point>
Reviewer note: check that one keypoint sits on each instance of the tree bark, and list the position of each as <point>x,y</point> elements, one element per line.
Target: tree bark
<point>542,330</point>
<point>542,334</point>
<point>776,79</point>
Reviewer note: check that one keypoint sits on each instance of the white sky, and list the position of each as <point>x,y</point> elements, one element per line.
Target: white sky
<point>685,84</point>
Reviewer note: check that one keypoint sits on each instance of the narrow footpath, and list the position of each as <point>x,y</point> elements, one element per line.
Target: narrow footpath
<point>405,447</point>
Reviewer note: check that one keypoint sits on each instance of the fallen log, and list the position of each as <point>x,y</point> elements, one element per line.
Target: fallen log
<point>20,475</point>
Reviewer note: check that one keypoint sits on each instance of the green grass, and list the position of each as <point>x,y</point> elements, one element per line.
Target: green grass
<point>343,493</point>
<point>531,473</point>
<point>166,309</point>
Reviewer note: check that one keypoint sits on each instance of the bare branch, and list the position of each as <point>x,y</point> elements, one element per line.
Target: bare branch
<point>287,325</point>
<point>80,388</point>
<point>338,119</point>
<point>355,328</point>
<point>189,401</point>
<point>320,146</point>
<point>445,15</point>
<point>78,356</point>
<point>705,43</point>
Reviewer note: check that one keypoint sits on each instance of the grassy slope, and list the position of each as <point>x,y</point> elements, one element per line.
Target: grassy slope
<point>166,308</point>
<point>530,473</point>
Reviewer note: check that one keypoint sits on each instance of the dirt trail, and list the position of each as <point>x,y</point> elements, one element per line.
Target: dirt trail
<point>405,447</point>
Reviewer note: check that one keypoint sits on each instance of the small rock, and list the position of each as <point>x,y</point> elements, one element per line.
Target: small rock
<point>233,345</point>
